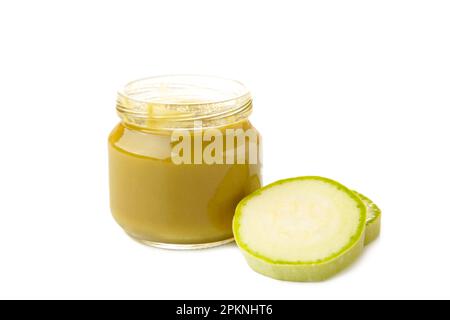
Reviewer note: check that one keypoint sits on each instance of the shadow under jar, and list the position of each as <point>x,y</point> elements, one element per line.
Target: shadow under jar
<point>181,159</point>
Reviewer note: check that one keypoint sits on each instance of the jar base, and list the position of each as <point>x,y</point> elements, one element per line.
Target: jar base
<point>180,246</point>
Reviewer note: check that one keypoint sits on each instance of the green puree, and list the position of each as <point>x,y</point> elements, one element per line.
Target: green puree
<point>155,200</point>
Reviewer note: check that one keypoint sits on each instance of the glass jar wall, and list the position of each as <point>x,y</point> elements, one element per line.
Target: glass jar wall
<point>181,159</point>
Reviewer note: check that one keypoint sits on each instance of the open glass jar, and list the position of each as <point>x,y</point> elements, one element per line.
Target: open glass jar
<point>181,159</point>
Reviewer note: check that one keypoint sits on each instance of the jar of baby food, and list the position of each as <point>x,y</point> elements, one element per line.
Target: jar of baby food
<point>181,159</point>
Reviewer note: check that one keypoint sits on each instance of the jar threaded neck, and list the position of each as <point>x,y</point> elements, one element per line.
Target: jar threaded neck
<point>176,102</point>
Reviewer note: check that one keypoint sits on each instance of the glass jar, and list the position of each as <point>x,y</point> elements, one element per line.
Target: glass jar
<point>181,159</point>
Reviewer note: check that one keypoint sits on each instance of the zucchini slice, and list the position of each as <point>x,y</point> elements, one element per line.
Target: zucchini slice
<point>373,223</point>
<point>301,229</point>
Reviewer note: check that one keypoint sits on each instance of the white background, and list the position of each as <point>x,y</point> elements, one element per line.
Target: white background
<point>357,91</point>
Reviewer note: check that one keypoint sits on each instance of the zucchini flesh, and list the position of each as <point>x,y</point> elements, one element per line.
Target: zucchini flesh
<point>301,229</point>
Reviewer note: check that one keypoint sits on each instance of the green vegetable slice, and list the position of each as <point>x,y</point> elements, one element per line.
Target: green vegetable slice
<point>301,229</point>
<point>373,223</point>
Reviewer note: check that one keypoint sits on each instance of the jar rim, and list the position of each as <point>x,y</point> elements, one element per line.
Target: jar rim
<point>178,98</point>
